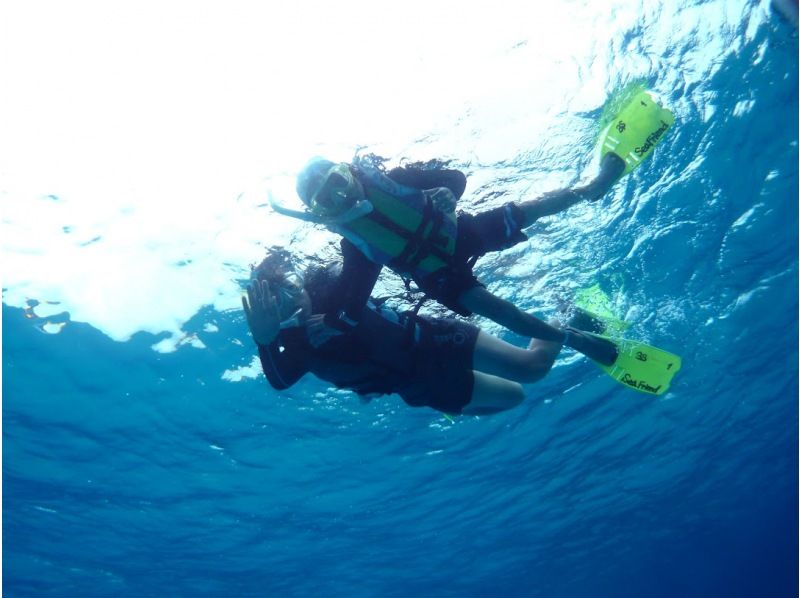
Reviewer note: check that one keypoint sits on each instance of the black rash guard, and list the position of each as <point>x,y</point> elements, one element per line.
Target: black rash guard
<point>427,361</point>
<point>374,357</point>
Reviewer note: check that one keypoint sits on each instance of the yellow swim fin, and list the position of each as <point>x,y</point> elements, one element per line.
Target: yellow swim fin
<point>638,124</point>
<point>641,367</point>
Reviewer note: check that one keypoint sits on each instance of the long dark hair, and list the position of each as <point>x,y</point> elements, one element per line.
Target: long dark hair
<point>319,279</point>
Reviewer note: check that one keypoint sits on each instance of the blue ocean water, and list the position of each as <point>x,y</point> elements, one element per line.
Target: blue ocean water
<point>133,472</point>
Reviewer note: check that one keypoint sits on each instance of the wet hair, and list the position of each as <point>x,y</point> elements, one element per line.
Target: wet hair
<point>275,267</point>
<point>373,160</point>
<point>320,284</point>
<point>369,161</point>
<point>318,279</point>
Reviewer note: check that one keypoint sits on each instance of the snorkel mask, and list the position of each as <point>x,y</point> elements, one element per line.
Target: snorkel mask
<point>287,293</point>
<point>338,193</point>
<point>331,193</point>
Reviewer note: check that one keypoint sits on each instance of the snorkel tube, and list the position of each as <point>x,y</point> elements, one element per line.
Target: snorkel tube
<point>300,215</point>
<point>360,208</point>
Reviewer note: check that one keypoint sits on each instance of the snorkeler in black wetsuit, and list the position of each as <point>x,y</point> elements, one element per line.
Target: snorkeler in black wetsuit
<point>445,364</point>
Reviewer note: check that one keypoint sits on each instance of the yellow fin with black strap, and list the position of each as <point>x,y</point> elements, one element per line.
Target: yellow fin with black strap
<point>638,124</point>
<point>641,367</point>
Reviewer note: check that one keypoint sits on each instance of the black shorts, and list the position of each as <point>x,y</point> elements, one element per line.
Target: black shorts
<point>493,230</point>
<point>442,376</point>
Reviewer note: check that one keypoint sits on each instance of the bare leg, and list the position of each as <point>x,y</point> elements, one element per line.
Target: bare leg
<point>553,202</point>
<point>505,313</point>
<point>499,358</point>
<point>501,366</point>
<point>491,394</point>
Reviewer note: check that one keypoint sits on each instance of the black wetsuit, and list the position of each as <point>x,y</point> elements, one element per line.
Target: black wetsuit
<point>427,361</point>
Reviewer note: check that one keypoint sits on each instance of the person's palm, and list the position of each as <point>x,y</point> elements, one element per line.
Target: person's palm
<point>261,312</point>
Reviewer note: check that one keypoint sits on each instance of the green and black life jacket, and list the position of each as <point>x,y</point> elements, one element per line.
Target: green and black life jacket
<point>404,230</point>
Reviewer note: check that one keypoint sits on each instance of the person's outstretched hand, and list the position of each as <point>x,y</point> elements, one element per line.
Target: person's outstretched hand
<point>261,312</point>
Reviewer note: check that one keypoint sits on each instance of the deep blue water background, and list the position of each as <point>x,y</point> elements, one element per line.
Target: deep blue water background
<point>130,472</point>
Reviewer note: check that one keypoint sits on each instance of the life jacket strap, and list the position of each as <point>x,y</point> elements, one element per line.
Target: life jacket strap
<point>419,245</point>
<point>389,224</point>
<point>414,245</point>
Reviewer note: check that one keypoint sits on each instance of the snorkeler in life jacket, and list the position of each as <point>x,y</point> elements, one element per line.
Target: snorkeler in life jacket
<point>442,363</point>
<point>406,220</point>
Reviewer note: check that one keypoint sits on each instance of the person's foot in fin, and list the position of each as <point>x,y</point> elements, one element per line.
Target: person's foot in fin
<point>598,349</point>
<point>612,168</point>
